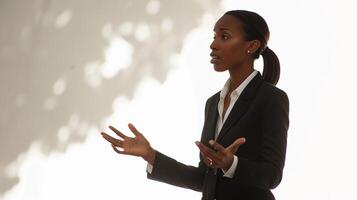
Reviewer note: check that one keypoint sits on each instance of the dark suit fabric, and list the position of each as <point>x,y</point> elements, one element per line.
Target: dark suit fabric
<point>261,115</point>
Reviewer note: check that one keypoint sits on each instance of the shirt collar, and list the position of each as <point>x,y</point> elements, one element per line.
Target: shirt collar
<point>240,88</point>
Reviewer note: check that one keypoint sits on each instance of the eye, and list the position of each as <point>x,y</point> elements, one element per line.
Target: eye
<point>225,37</point>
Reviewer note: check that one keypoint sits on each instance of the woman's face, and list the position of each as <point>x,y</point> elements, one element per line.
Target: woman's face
<point>229,48</point>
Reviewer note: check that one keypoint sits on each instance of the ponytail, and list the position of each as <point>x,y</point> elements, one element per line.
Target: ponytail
<point>256,28</point>
<point>271,72</point>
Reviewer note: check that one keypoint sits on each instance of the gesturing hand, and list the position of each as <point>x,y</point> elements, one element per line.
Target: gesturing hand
<point>219,156</point>
<point>137,146</point>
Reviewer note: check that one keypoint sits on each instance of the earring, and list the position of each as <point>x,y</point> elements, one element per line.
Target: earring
<point>248,52</point>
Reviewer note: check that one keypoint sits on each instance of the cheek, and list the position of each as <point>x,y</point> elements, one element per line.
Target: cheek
<point>234,52</point>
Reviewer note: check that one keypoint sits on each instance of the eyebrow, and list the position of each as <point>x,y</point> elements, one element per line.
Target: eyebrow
<point>223,29</point>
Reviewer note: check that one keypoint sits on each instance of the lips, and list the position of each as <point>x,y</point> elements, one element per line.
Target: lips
<point>215,58</point>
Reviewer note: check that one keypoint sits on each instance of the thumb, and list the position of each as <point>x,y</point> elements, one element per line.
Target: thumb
<point>233,148</point>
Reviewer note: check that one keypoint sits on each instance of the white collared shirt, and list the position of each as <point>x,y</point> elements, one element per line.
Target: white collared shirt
<point>220,121</point>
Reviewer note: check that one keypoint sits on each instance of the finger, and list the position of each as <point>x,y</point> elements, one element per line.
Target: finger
<point>216,146</point>
<point>208,152</point>
<point>236,144</point>
<point>112,140</point>
<point>108,137</point>
<point>133,129</point>
<point>208,161</point>
<point>120,134</point>
<point>204,149</point>
<point>211,157</point>
<point>118,151</point>
<point>115,149</point>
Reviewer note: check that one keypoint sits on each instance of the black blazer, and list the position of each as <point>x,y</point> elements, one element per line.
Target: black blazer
<point>261,115</point>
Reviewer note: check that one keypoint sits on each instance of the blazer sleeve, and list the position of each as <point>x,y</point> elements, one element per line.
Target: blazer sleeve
<point>170,171</point>
<point>266,171</point>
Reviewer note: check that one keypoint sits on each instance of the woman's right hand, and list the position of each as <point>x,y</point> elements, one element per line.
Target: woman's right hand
<point>135,146</point>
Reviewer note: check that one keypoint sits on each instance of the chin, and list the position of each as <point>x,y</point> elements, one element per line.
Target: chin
<point>219,68</point>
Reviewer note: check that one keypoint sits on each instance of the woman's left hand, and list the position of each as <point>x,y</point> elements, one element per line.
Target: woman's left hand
<point>219,157</point>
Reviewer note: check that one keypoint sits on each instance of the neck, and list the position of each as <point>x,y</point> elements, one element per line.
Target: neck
<point>239,74</point>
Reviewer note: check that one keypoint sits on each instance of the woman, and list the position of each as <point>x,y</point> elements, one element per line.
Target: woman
<point>249,110</point>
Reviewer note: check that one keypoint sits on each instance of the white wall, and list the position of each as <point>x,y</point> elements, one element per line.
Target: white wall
<point>70,68</point>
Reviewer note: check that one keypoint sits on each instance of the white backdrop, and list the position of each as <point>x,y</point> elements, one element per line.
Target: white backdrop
<point>71,68</point>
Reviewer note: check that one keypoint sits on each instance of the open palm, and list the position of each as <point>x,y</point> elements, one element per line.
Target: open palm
<point>135,146</point>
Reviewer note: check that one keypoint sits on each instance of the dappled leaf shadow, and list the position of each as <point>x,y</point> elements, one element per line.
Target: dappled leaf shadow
<point>51,58</point>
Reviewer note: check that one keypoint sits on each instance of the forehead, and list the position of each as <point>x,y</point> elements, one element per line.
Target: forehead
<point>228,22</point>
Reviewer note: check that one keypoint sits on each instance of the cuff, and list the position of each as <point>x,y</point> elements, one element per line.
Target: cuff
<point>149,168</point>
<point>230,172</point>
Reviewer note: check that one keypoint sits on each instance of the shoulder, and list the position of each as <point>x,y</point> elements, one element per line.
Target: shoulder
<point>213,97</point>
<point>271,92</point>
<point>271,89</point>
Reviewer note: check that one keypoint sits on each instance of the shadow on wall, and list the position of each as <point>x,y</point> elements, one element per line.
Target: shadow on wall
<point>63,63</point>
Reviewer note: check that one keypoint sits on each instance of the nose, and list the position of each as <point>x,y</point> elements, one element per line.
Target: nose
<point>213,45</point>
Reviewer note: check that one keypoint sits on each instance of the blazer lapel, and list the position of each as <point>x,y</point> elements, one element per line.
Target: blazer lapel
<point>212,118</point>
<point>241,106</point>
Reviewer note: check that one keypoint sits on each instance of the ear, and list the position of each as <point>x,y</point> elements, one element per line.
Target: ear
<point>253,46</point>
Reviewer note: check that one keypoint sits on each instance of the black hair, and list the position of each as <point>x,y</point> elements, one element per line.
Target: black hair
<point>255,28</point>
